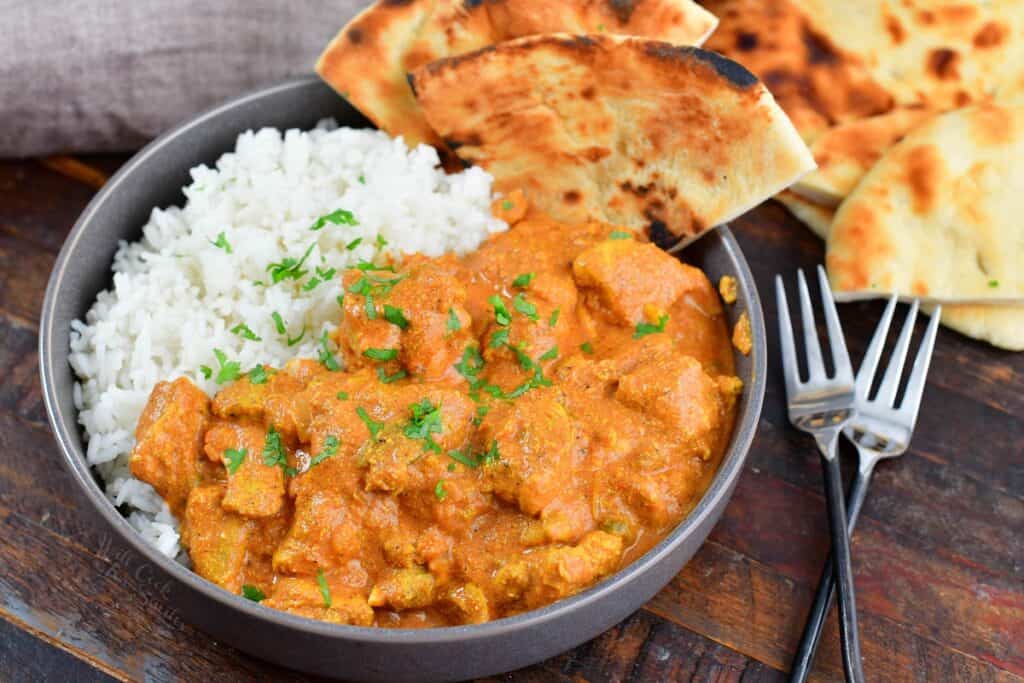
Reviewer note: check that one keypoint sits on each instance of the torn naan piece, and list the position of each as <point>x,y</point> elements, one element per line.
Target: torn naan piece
<point>368,60</point>
<point>832,61</point>
<point>816,84</point>
<point>846,152</point>
<point>625,130</point>
<point>938,217</point>
<point>1001,325</point>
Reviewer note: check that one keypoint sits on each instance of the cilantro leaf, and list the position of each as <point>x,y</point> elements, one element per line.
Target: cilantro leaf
<point>243,331</point>
<point>523,280</point>
<point>338,217</point>
<point>370,423</point>
<point>253,593</point>
<point>324,590</point>
<point>221,243</point>
<point>381,354</point>
<point>453,325</point>
<point>234,459</point>
<point>395,316</point>
<point>645,328</point>
<point>325,356</point>
<point>229,371</point>
<point>258,375</point>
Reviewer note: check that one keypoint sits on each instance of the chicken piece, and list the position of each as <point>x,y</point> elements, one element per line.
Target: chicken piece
<point>428,421</point>
<point>217,540</point>
<point>567,518</point>
<point>323,531</point>
<point>419,312</point>
<point>554,572</point>
<point>269,401</point>
<point>255,489</point>
<point>676,390</point>
<point>534,438</point>
<point>402,589</point>
<point>169,438</point>
<point>531,309</point>
<point>466,604</point>
<point>306,598</point>
<point>625,276</point>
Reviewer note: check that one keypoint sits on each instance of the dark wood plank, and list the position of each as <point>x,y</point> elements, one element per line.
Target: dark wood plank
<point>39,205</point>
<point>646,648</point>
<point>27,658</point>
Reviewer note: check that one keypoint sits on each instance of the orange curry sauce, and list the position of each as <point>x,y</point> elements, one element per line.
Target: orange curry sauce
<point>509,428</point>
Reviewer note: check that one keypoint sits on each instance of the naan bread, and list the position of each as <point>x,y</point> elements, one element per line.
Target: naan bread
<point>816,84</point>
<point>939,216</point>
<point>848,151</point>
<point>368,60</point>
<point>1001,325</point>
<point>937,54</point>
<point>832,61</point>
<point>630,131</point>
<point>815,216</point>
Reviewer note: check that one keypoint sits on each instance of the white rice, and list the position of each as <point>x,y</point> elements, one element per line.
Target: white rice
<point>176,296</point>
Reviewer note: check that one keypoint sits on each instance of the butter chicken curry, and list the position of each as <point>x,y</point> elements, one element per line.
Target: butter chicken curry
<point>495,433</point>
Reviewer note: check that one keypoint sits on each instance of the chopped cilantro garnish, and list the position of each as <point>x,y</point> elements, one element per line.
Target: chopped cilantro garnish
<point>466,458</point>
<point>362,179</point>
<point>342,395</point>
<point>501,314</point>
<point>993,283</point>
<point>206,370</point>
<point>381,354</point>
<point>550,354</point>
<point>274,453</point>
<point>325,356</point>
<point>324,590</point>
<point>381,242</point>
<point>370,423</point>
<point>439,491</point>
<point>339,217</point>
<point>395,316</point>
<point>507,205</point>
<point>229,371</point>
<point>425,421</point>
<point>354,243</point>
<point>620,235</point>
<point>370,307</point>
<point>553,320</point>
<point>253,593</point>
<point>341,300</point>
<point>278,323</point>
<point>258,375</point>
<point>331,444</point>
<point>470,366</point>
<point>385,378</point>
<point>585,347</point>
<point>471,460</point>
<point>525,307</point>
<point>643,329</point>
<point>453,321</point>
<point>499,338</point>
<point>289,268</point>
<point>234,459</point>
<point>293,341</point>
<point>492,455</point>
<point>523,280</point>
<point>222,243</point>
<point>243,331</point>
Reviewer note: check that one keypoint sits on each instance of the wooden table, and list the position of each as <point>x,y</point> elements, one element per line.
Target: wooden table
<point>939,552</point>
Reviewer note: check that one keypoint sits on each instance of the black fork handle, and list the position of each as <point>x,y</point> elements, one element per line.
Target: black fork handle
<point>843,567</point>
<point>826,595</point>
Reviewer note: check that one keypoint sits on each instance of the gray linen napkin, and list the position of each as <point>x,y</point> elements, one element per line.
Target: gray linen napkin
<point>108,75</point>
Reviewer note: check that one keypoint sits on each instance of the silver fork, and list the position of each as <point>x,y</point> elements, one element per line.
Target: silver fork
<point>822,406</point>
<point>879,430</point>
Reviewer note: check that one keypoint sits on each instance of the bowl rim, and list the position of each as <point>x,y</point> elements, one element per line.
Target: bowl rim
<point>74,459</point>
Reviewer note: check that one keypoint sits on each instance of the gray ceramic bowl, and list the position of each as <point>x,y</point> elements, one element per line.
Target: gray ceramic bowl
<point>154,178</point>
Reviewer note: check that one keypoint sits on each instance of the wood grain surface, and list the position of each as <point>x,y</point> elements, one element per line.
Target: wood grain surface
<point>939,551</point>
